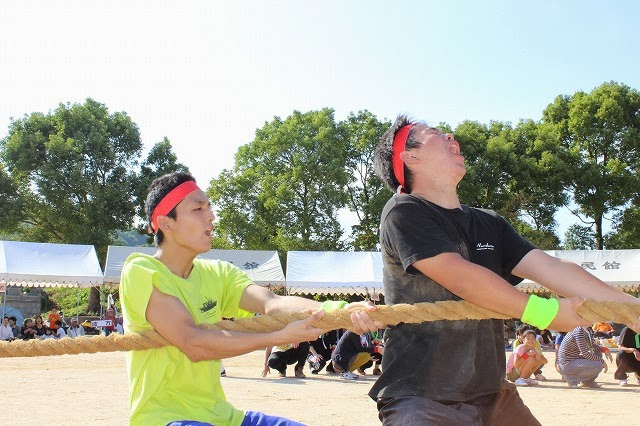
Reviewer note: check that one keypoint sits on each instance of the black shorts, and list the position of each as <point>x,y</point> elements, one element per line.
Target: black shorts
<point>504,408</point>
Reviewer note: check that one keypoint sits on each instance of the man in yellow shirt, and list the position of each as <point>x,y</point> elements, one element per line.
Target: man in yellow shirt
<point>173,293</point>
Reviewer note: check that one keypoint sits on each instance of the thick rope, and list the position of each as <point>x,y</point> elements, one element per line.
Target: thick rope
<point>592,311</point>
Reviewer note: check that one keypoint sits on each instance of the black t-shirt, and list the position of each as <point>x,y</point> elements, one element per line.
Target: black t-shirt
<point>442,360</point>
<point>40,331</point>
<point>629,339</point>
<point>326,342</point>
<point>349,345</point>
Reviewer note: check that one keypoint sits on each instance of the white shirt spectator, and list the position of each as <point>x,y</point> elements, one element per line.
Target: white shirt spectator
<point>6,333</point>
<point>75,332</point>
<point>61,333</point>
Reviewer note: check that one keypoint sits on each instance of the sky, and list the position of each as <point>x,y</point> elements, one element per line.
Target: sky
<point>207,74</point>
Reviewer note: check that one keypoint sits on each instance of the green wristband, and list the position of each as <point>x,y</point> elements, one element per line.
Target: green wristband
<point>332,305</point>
<point>539,312</point>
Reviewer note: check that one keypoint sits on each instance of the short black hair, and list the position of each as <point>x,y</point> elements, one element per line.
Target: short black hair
<point>159,189</point>
<point>384,153</point>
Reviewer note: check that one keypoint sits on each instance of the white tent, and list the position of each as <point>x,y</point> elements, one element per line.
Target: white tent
<point>49,265</point>
<point>361,272</point>
<point>618,268</point>
<point>263,267</point>
<point>329,272</point>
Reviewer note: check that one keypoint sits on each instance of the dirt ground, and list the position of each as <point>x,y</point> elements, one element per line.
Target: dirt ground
<point>91,389</point>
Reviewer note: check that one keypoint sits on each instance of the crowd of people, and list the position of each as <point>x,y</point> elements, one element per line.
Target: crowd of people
<point>581,355</point>
<point>342,352</point>
<point>55,327</point>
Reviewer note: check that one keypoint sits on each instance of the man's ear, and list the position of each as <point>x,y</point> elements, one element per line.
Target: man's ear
<point>408,157</point>
<point>164,223</point>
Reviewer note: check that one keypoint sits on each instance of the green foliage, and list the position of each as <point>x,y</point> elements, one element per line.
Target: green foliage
<point>512,171</point>
<point>579,238</point>
<point>599,133</point>
<point>626,234</point>
<point>161,160</point>
<point>71,301</point>
<point>75,301</point>
<point>11,203</point>
<point>286,187</point>
<point>73,169</point>
<point>544,239</point>
<point>69,176</point>
<point>367,194</point>
<point>349,298</point>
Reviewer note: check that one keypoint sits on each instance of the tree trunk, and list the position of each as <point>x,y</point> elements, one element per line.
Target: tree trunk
<point>599,239</point>
<point>94,300</point>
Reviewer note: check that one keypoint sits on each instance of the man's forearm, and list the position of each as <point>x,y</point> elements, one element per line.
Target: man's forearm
<point>290,304</point>
<point>567,278</point>
<point>217,344</point>
<point>474,283</point>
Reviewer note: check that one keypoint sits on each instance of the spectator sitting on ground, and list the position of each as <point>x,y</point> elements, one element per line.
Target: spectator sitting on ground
<point>519,340</point>
<point>525,360</point>
<point>546,339</point>
<point>5,330</point>
<point>59,332</point>
<point>49,334</point>
<point>39,327</point>
<point>628,358</point>
<point>580,359</point>
<point>14,328</point>
<point>28,330</point>
<point>376,353</point>
<point>602,330</point>
<point>76,329</point>
<point>352,352</point>
<point>279,357</point>
<point>320,352</point>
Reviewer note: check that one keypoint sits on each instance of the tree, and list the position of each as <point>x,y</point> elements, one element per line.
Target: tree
<point>286,186</point>
<point>600,134</point>
<point>367,194</point>
<point>626,234</point>
<point>512,171</point>
<point>73,170</point>
<point>579,238</point>
<point>11,203</point>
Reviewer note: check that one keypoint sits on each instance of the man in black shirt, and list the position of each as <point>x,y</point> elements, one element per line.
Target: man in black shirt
<point>434,248</point>
<point>628,358</point>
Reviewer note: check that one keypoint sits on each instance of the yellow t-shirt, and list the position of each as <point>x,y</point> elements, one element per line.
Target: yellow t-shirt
<point>164,385</point>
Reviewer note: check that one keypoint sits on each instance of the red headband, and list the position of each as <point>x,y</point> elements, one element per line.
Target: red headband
<point>399,144</point>
<point>171,200</point>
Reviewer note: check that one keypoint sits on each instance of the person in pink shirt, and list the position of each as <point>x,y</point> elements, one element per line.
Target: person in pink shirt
<point>525,360</point>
